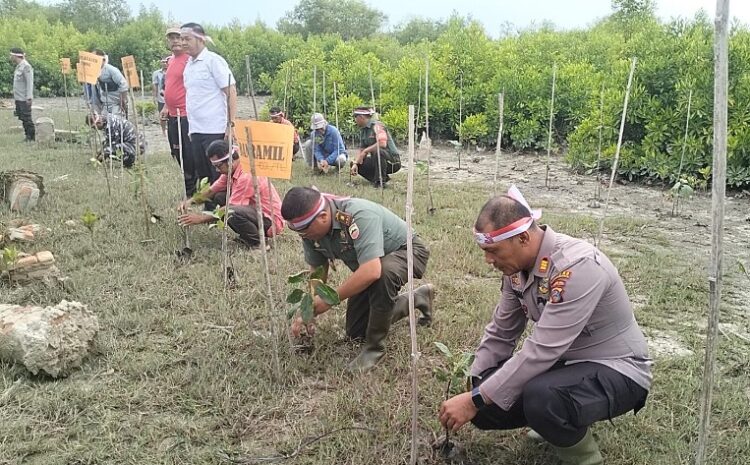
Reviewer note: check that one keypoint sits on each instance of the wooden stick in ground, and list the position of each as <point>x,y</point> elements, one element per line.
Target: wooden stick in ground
<point>718,191</point>
<point>598,188</point>
<point>315,89</point>
<point>682,156</point>
<point>140,159</point>
<point>250,87</point>
<point>617,152</point>
<point>186,237</point>
<point>377,144</point>
<point>286,86</point>
<point>336,112</point>
<point>269,288</point>
<point>460,118</point>
<point>227,210</point>
<point>67,107</point>
<point>430,205</point>
<point>94,140</point>
<point>412,316</point>
<point>325,104</point>
<point>551,119</point>
<point>419,106</point>
<point>498,149</point>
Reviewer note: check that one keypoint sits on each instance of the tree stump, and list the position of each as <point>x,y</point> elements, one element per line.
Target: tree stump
<point>53,340</point>
<point>21,189</point>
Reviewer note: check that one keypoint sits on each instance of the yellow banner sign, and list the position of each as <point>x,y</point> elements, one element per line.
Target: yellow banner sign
<point>271,145</point>
<point>65,65</point>
<point>130,71</point>
<point>90,65</point>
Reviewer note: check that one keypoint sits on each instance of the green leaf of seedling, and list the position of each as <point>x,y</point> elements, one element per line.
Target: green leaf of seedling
<point>319,273</point>
<point>444,349</point>
<point>295,296</point>
<point>291,312</point>
<point>328,294</point>
<point>306,308</point>
<point>298,277</point>
<point>441,376</point>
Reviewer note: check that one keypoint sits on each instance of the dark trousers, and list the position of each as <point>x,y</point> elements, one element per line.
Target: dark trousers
<point>244,221</point>
<point>380,296</point>
<point>369,168</point>
<point>23,111</point>
<point>175,141</point>
<point>199,145</point>
<point>561,403</point>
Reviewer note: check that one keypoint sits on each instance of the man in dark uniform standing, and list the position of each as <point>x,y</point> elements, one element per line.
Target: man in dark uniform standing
<point>586,359</point>
<point>371,241</point>
<point>374,141</point>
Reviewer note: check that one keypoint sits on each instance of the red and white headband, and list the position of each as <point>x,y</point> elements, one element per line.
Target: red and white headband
<point>190,32</point>
<point>513,229</point>
<point>19,55</point>
<point>303,221</point>
<point>364,111</point>
<point>235,149</point>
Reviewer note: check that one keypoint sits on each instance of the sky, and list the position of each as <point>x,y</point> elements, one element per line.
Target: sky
<point>566,14</point>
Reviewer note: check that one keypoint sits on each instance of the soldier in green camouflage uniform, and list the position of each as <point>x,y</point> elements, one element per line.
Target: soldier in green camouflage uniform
<point>371,241</point>
<point>374,141</point>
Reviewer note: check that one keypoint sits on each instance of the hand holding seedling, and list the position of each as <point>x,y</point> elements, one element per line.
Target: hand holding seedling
<point>354,169</point>
<point>298,325</point>
<point>184,205</point>
<point>191,219</point>
<point>457,411</point>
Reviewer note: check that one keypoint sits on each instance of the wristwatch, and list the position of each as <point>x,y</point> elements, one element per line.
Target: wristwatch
<point>477,398</point>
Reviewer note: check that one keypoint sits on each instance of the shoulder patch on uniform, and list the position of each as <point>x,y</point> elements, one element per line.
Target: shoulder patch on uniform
<point>544,265</point>
<point>354,231</point>
<point>556,295</point>
<point>515,280</point>
<point>344,218</point>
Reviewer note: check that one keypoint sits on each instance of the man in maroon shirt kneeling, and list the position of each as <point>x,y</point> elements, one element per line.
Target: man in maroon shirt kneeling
<point>586,359</point>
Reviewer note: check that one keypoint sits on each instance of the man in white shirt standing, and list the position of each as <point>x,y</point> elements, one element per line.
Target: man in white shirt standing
<point>211,96</point>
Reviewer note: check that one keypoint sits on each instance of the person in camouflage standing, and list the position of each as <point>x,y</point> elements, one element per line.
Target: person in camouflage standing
<point>119,137</point>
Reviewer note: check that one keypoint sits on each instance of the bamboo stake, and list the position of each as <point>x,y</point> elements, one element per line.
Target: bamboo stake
<point>336,111</point>
<point>186,237</point>
<point>460,118</point>
<point>551,117</point>
<point>499,149</point>
<point>682,156</point>
<point>286,86</point>
<point>94,140</point>
<point>598,189</point>
<point>250,87</point>
<point>109,131</point>
<point>419,106</point>
<point>412,316</point>
<point>67,107</point>
<point>718,192</point>
<point>325,105</point>
<point>617,152</point>
<point>227,210</point>
<point>143,95</point>
<point>142,168</point>
<point>266,268</point>
<point>315,89</point>
<point>377,144</point>
<point>430,205</point>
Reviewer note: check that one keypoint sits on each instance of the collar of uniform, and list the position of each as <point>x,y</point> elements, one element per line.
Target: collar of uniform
<point>201,55</point>
<point>542,264</point>
<point>334,222</point>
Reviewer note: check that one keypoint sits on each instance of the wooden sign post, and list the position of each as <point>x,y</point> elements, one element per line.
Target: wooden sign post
<point>65,69</point>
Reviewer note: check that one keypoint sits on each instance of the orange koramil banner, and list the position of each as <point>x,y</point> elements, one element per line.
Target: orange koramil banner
<point>65,65</point>
<point>90,65</point>
<point>130,71</point>
<point>271,145</point>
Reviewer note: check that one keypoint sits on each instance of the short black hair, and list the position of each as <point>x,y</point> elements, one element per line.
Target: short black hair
<point>298,201</point>
<point>17,50</point>
<point>217,148</point>
<point>98,51</point>
<point>274,110</point>
<point>500,211</point>
<point>195,27</point>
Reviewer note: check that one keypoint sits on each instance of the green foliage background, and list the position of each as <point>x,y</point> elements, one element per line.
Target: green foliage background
<point>674,58</point>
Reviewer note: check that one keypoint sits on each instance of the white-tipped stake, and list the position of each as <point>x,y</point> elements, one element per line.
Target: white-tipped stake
<point>412,315</point>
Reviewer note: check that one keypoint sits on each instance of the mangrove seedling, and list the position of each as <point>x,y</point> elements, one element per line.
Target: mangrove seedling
<point>9,259</point>
<point>681,189</point>
<point>455,370</point>
<point>301,298</point>
<point>202,188</point>
<point>90,219</point>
